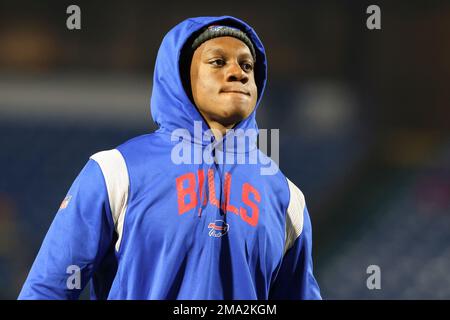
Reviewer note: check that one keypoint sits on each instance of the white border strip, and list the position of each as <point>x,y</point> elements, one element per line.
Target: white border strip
<point>115,172</point>
<point>294,215</point>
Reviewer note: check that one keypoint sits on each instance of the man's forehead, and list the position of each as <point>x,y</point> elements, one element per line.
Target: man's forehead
<point>226,45</point>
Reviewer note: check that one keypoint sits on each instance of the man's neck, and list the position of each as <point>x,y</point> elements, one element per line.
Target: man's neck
<point>218,129</point>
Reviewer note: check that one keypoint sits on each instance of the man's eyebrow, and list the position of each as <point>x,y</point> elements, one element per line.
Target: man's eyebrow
<point>246,55</point>
<point>220,51</point>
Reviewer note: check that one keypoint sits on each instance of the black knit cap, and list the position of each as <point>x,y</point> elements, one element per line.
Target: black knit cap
<point>215,31</point>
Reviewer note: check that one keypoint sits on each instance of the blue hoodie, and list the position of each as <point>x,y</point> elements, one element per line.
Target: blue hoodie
<point>140,225</point>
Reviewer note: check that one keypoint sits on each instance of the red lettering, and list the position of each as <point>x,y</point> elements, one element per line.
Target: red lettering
<point>246,189</point>
<point>186,187</point>
<point>188,191</point>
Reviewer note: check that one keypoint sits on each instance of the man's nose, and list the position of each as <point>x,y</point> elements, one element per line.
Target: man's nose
<point>235,73</point>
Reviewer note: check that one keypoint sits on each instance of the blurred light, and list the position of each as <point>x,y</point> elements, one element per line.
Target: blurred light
<point>325,108</point>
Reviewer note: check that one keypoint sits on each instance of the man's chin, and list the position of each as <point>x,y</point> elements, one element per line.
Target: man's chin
<point>230,121</point>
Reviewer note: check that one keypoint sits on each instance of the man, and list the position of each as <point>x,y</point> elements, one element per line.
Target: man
<point>141,224</point>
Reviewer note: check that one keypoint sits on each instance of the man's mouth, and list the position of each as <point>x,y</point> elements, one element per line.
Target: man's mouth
<point>235,91</point>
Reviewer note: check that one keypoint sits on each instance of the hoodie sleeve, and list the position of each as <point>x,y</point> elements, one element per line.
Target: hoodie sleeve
<point>295,278</point>
<point>78,238</point>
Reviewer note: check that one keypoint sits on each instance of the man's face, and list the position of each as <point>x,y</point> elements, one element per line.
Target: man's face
<point>222,81</point>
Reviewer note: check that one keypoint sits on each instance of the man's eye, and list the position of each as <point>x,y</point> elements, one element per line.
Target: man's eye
<point>218,62</point>
<point>247,67</point>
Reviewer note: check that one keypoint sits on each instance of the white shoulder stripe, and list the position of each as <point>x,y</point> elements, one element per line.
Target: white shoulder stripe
<point>294,215</point>
<point>117,181</point>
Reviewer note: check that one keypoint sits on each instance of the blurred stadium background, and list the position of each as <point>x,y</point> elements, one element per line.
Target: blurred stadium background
<point>363,117</point>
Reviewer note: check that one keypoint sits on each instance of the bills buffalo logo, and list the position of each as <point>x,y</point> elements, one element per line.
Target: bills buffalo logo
<point>191,192</point>
<point>218,228</point>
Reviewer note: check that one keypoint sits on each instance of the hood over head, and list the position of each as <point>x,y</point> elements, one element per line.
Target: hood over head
<point>171,106</point>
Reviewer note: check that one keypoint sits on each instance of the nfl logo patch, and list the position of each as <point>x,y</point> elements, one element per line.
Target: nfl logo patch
<point>65,202</point>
